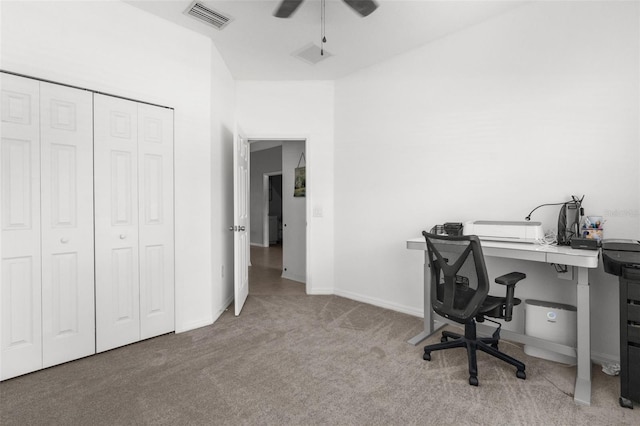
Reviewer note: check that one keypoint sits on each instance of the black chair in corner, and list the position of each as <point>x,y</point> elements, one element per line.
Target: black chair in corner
<point>460,292</point>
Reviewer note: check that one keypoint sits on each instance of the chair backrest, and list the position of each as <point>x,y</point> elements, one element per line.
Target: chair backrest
<point>459,280</point>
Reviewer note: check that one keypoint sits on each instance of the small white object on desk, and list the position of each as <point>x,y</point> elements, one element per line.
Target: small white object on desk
<point>512,231</point>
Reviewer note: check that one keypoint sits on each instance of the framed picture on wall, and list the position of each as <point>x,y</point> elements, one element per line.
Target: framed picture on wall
<point>299,188</point>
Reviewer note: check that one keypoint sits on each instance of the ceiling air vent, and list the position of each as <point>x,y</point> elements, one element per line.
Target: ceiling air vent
<point>208,16</point>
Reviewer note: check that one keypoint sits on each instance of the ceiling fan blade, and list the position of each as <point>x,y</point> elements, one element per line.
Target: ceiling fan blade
<point>286,8</point>
<point>362,7</point>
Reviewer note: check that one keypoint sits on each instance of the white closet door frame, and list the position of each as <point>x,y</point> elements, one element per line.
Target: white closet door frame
<point>20,292</point>
<point>68,315</point>
<point>155,183</point>
<point>116,222</point>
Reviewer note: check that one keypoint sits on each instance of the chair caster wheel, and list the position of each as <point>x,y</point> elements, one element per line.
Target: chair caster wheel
<point>427,356</point>
<point>625,403</point>
<point>443,339</point>
<point>520,374</point>
<point>473,381</point>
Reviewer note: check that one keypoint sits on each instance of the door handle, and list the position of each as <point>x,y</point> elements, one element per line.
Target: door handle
<point>240,228</point>
<point>122,236</point>
<point>64,240</point>
<point>232,228</point>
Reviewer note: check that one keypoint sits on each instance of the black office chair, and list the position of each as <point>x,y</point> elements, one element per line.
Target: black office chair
<point>460,292</point>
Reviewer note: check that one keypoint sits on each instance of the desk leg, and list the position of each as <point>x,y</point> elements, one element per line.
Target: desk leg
<point>428,312</point>
<point>583,377</point>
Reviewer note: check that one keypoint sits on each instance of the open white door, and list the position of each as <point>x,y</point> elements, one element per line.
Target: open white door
<point>240,226</point>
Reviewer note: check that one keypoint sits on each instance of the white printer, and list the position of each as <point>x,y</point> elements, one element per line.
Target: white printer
<point>517,232</point>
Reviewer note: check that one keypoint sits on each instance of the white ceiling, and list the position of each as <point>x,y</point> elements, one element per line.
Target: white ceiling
<point>258,46</point>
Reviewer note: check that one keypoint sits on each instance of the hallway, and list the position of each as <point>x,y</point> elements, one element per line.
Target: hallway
<point>265,273</point>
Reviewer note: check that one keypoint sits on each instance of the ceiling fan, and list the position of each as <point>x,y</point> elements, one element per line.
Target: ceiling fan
<point>362,7</point>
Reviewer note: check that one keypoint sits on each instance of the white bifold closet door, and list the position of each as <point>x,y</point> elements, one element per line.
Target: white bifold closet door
<point>66,140</point>
<point>21,265</point>
<point>133,164</point>
<point>47,291</point>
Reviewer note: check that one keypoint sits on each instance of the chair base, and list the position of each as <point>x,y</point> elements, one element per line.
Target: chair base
<point>473,344</point>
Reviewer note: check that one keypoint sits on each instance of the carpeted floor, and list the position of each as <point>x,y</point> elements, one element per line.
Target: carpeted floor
<point>296,359</point>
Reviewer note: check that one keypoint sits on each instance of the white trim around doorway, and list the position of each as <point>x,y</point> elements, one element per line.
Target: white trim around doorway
<point>309,194</point>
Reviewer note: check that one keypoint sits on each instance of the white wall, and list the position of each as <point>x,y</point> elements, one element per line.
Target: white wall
<point>523,109</point>
<point>118,49</point>
<point>300,110</point>
<point>222,122</point>
<point>294,220</point>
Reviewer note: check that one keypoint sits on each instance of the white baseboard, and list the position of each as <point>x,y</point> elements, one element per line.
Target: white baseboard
<point>203,323</point>
<point>380,303</point>
<point>321,292</point>
<point>193,325</point>
<point>602,359</point>
<point>294,277</point>
<point>225,305</point>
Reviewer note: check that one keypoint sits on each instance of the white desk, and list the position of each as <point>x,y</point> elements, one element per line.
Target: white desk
<point>583,260</point>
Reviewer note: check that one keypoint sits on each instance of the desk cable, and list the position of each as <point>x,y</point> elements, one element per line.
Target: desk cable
<point>550,239</point>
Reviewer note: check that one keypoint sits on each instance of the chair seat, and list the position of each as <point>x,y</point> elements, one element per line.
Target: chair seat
<point>492,302</point>
<point>493,306</point>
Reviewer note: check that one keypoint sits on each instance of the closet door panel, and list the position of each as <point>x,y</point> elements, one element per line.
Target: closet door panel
<point>20,290</point>
<point>67,223</point>
<point>155,180</point>
<point>116,222</point>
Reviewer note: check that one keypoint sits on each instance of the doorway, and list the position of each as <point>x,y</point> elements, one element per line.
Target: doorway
<point>272,209</point>
<point>278,218</point>
<point>265,274</point>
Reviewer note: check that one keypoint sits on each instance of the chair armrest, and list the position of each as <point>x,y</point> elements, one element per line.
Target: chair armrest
<point>510,281</point>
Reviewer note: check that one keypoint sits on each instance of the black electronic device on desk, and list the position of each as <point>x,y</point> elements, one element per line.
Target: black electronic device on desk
<point>568,220</point>
<point>622,258</point>
<point>449,228</point>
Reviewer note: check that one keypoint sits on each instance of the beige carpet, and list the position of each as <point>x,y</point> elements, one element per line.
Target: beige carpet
<point>300,360</point>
